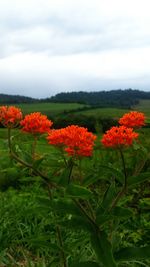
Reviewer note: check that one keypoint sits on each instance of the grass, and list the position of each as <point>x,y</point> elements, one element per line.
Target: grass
<point>104,112</point>
<point>49,108</point>
<point>27,228</point>
<point>52,109</point>
<point>144,106</point>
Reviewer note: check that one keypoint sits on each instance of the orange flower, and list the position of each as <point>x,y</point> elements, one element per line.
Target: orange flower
<point>119,136</point>
<point>36,123</point>
<point>75,140</point>
<point>133,119</point>
<point>57,137</point>
<point>10,116</point>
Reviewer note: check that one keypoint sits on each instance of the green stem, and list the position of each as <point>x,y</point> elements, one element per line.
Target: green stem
<point>60,241</point>
<point>124,169</point>
<point>58,232</point>
<point>34,147</point>
<point>9,140</point>
<point>70,173</point>
<point>24,163</point>
<point>90,209</point>
<point>91,220</point>
<point>124,188</point>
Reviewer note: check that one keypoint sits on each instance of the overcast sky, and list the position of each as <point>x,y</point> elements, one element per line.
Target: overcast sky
<point>50,46</point>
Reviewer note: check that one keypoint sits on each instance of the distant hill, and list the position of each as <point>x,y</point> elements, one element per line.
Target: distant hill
<point>16,99</point>
<point>114,98</point>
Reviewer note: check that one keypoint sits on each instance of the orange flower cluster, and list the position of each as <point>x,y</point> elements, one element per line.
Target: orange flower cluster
<point>36,123</point>
<point>133,119</point>
<point>75,140</point>
<point>10,116</point>
<point>119,136</point>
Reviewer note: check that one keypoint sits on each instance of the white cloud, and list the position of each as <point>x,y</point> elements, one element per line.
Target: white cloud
<point>58,45</point>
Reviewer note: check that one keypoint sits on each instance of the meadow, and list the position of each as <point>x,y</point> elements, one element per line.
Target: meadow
<point>50,109</point>
<point>57,210</point>
<point>144,106</point>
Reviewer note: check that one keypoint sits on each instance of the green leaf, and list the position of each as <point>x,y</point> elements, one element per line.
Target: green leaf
<point>76,222</point>
<point>147,120</point>
<point>92,178</point>
<point>103,249</point>
<point>37,162</point>
<point>120,212</point>
<point>138,179</point>
<point>44,201</point>
<point>41,243</point>
<point>101,219</point>
<point>95,176</point>
<point>11,172</point>
<point>109,196</point>
<point>84,264</point>
<point>25,156</point>
<point>63,178</point>
<point>133,253</point>
<point>29,179</point>
<point>78,192</point>
<point>61,206</point>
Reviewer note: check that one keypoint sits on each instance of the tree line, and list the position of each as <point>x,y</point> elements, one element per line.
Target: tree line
<point>114,98</point>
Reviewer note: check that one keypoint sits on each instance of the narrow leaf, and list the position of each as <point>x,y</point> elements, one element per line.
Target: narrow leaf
<point>78,192</point>
<point>61,206</point>
<point>120,212</point>
<point>103,249</point>
<point>133,253</point>
<point>138,179</point>
<point>84,264</point>
<point>37,162</point>
<point>109,196</point>
<point>63,178</point>
<point>76,222</point>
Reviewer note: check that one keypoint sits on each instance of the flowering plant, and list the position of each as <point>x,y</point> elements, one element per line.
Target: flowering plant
<point>36,123</point>
<point>10,116</point>
<point>84,198</point>
<point>119,137</point>
<point>133,119</point>
<point>75,140</point>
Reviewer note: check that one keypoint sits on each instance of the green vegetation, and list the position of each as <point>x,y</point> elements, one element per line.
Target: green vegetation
<point>144,106</point>
<point>114,98</point>
<point>104,112</point>
<point>50,109</point>
<point>14,99</point>
<point>57,211</point>
<point>28,217</point>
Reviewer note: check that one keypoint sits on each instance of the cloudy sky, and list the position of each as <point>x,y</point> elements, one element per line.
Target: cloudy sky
<point>49,46</point>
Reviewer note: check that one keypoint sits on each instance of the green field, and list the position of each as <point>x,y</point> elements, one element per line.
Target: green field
<point>38,221</point>
<point>49,108</point>
<point>52,109</point>
<point>104,112</point>
<point>144,106</point>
